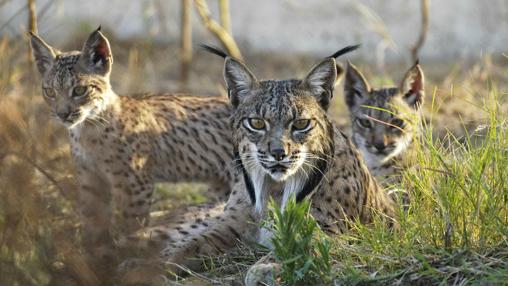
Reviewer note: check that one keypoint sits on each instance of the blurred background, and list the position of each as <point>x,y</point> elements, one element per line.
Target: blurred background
<point>460,44</point>
<point>458,28</point>
<point>159,40</point>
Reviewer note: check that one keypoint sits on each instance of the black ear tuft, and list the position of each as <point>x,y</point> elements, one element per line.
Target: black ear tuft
<point>412,86</point>
<point>96,55</point>
<point>344,51</point>
<point>356,86</point>
<point>214,50</point>
<point>239,79</point>
<point>44,55</point>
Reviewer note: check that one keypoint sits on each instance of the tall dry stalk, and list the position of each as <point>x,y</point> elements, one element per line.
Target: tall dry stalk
<point>32,27</point>
<point>186,40</point>
<point>376,24</point>
<point>32,17</point>
<point>225,17</point>
<point>423,31</point>
<point>217,30</point>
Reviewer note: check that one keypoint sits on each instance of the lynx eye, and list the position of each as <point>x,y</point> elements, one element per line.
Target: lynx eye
<point>256,123</point>
<point>49,92</point>
<point>365,123</point>
<point>79,90</point>
<point>397,125</point>
<point>398,122</point>
<point>301,124</point>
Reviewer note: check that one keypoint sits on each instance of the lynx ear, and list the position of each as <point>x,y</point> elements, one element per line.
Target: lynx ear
<point>44,55</point>
<point>356,87</point>
<point>96,55</point>
<point>412,86</point>
<point>321,80</point>
<point>340,74</point>
<point>239,80</point>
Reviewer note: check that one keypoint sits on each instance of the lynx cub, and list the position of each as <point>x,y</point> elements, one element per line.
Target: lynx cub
<point>384,121</point>
<point>122,145</point>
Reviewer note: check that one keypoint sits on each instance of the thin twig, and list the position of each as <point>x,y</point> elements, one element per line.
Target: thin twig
<point>42,11</point>
<point>37,167</point>
<point>8,22</point>
<point>23,276</point>
<point>437,171</point>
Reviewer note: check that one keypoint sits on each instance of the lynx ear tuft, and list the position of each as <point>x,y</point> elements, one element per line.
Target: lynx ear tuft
<point>214,50</point>
<point>344,51</point>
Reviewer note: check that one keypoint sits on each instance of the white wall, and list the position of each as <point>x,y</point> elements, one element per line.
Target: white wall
<point>458,28</point>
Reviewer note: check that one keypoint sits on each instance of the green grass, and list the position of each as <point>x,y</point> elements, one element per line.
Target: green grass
<point>170,196</point>
<point>454,233</point>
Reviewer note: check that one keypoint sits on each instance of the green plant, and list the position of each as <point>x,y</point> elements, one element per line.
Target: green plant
<point>299,246</point>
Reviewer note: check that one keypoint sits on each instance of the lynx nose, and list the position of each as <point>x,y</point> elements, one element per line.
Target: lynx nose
<point>278,153</point>
<point>380,146</point>
<point>63,114</point>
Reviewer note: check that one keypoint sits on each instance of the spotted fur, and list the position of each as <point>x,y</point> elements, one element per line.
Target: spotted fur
<point>123,145</point>
<point>284,158</point>
<point>385,122</point>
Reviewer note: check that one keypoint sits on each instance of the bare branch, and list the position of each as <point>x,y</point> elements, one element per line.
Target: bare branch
<point>225,18</point>
<point>32,28</point>
<point>37,167</point>
<point>186,40</point>
<point>222,34</point>
<point>424,29</point>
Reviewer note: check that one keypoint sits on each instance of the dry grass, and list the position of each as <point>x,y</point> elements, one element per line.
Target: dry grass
<point>39,228</point>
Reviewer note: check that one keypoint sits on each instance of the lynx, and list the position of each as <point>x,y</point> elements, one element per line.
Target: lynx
<point>385,122</point>
<point>285,147</point>
<point>123,145</point>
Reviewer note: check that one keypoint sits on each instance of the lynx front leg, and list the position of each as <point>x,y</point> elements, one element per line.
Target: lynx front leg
<point>132,195</point>
<point>213,235</point>
<point>211,232</point>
